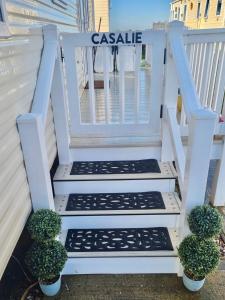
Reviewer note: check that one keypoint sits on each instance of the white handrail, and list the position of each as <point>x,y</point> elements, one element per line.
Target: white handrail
<point>45,75</point>
<point>190,98</point>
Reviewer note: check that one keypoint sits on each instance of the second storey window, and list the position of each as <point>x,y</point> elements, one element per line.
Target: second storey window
<point>207,8</point>
<point>218,8</point>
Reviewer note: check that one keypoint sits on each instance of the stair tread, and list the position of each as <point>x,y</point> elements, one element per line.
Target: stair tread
<point>118,203</point>
<point>120,242</point>
<point>163,170</point>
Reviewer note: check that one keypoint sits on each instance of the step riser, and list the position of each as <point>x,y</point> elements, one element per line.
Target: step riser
<point>122,265</point>
<point>115,186</point>
<point>123,221</point>
<point>130,153</point>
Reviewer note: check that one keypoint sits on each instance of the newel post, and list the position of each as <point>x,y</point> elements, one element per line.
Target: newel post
<point>32,135</point>
<point>170,90</point>
<point>201,130</point>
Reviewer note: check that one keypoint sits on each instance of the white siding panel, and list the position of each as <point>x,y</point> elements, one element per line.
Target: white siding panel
<point>19,63</point>
<point>23,14</point>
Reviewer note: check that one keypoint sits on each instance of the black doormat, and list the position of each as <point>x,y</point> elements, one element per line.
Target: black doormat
<point>115,201</point>
<point>115,167</point>
<point>110,240</point>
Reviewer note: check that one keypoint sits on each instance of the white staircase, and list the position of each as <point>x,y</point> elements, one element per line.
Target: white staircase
<point>117,221</point>
<point>102,215</point>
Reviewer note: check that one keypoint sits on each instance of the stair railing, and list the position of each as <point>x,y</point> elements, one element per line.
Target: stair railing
<point>192,165</point>
<point>31,126</point>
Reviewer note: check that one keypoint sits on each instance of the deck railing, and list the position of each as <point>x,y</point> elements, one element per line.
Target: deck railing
<point>196,61</point>
<point>192,165</point>
<point>49,88</point>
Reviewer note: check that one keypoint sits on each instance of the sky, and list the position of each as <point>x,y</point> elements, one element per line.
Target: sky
<point>137,14</point>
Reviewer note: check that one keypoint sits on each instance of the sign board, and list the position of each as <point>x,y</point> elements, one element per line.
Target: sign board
<point>120,38</point>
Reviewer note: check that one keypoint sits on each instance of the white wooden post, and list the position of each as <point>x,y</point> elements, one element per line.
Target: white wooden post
<point>156,93</point>
<point>170,101</point>
<point>201,130</point>
<point>60,114</point>
<point>31,132</point>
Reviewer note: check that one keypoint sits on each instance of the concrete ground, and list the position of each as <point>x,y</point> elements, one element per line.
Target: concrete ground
<point>137,287</point>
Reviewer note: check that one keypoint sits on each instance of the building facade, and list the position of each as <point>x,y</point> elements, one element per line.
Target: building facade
<point>199,14</point>
<point>102,15</point>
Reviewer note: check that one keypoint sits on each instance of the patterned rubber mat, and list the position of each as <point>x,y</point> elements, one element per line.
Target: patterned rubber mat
<point>108,240</point>
<point>115,167</point>
<point>115,201</point>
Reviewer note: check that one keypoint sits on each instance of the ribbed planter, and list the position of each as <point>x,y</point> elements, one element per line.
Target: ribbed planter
<point>51,289</point>
<point>192,285</point>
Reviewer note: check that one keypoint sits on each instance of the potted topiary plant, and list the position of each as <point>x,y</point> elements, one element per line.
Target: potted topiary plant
<point>44,225</point>
<point>47,257</point>
<point>45,261</point>
<point>199,254</point>
<point>205,222</point>
<point>199,257</point>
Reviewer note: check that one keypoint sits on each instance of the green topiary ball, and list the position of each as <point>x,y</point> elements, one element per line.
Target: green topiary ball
<point>205,221</point>
<point>44,225</point>
<point>198,257</point>
<point>46,260</point>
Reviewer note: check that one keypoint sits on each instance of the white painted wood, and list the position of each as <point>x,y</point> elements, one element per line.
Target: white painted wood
<point>138,53</point>
<point>116,152</point>
<point>106,64</point>
<point>122,83</point>
<point>107,186</point>
<point>166,171</point>
<point>190,98</point>
<point>201,131</point>
<point>121,265</point>
<point>119,126</point>
<point>61,121</point>
<point>46,70</point>
<point>120,221</point>
<point>32,133</point>
<point>171,201</point>
<point>219,95</point>
<point>156,92</point>
<point>120,142</point>
<point>218,187</point>
<point>85,39</point>
<point>170,100</point>
<point>91,88</point>
<point>72,86</point>
<point>177,144</point>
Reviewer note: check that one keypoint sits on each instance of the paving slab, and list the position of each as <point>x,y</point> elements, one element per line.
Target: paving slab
<point>137,287</point>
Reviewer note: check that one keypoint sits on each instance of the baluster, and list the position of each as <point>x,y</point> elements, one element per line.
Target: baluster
<point>106,82</point>
<point>138,53</point>
<point>122,84</point>
<point>91,85</point>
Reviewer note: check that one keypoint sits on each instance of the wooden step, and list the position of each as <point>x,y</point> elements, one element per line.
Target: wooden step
<point>123,261</point>
<point>120,242</point>
<point>142,203</point>
<point>166,171</point>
